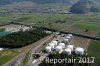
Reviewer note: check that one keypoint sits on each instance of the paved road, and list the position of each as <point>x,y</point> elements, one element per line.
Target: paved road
<point>33,50</point>
<point>17,60</point>
<point>38,61</point>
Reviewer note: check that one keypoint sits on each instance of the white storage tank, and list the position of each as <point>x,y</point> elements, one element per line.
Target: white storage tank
<point>67,37</point>
<point>1,49</point>
<point>79,51</point>
<point>48,49</point>
<point>66,40</point>
<point>70,35</point>
<point>54,42</point>
<point>52,45</point>
<point>62,45</point>
<point>70,47</point>
<point>67,51</point>
<point>49,32</point>
<point>58,49</point>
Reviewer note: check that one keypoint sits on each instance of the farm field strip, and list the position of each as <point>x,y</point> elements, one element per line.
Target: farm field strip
<point>73,23</point>
<point>80,42</point>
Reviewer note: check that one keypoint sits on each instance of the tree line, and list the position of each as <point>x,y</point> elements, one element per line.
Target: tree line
<point>21,39</point>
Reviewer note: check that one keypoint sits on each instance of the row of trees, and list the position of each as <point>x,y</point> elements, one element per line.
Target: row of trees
<point>21,39</point>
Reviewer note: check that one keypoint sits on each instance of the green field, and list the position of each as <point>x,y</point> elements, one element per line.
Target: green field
<point>94,51</point>
<point>66,22</point>
<point>48,17</point>
<point>86,26</point>
<point>6,55</point>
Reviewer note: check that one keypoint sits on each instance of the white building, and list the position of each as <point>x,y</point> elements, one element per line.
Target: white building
<point>18,28</point>
<point>12,29</point>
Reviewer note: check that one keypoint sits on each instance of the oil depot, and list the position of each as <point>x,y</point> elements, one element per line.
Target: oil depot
<point>63,46</point>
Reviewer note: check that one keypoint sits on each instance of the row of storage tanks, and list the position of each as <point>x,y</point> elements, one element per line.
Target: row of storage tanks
<point>62,47</point>
<point>67,38</point>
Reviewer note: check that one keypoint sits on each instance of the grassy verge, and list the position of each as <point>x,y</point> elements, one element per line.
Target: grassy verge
<point>94,51</point>
<point>25,61</point>
<point>6,55</point>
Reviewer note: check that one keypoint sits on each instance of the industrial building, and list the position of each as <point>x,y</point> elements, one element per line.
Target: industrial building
<point>16,28</point>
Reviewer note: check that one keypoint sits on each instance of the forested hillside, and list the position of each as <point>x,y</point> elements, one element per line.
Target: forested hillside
<point>78,6</point>
<point>84,6</point>
<point>4,2</point>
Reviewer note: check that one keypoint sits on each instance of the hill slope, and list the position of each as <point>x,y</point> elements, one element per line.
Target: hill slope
<point>84,6</point>
<point>69,2</point>
<point>4,2</point>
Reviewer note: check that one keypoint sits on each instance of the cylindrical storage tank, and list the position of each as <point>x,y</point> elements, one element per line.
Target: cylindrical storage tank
<point>54,42</point>
<point>58,49</point>
<point>67,51</point>
<point>79,51</point>
<point>1,49</point>
<point>66,40</point>
<point>52,45</point>
<point>62,45</point>
<point>67,37</point>
<point>70,47</point>
<point>70,35</point>
<point>48,49</point>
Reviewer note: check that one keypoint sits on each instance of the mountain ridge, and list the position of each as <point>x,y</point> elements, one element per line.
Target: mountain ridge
<point>46,5</point>
<point>84,6</point>
<point>5,2</point>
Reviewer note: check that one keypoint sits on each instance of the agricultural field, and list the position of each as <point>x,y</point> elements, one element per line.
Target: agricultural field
<point>81,42</point>
<point>92,47</point>
<point>81,18</point>
<point>7,54</point>
<point>66,22</point>
<point>98,35</point>
<point>94,51</point>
